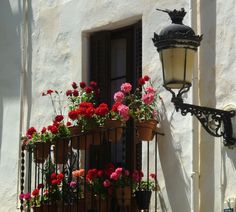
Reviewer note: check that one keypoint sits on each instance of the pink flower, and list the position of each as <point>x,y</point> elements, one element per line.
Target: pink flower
<point>72,184</point>
<point>114,176</point>
<point>118,171</point>
<point>126,87</point>
<point>123,111</point>
<point>21,196</point>
<point>106,183</point>
<point>150,89</point>
<point>27,196</point>
<point>148,98</point>
<point>118,96</point>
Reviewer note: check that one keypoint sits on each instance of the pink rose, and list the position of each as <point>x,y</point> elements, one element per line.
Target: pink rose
<point>150,89</point>
<point>114,176</point>
<point>106,183</point>
<point>148,98</point>
<point>126,87</point>
<point>123,111</point>
<point>118,96</point>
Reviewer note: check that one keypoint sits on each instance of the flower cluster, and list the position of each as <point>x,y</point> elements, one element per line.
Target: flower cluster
<point>82,93</point>
<point>150,184</point>
<point>142,104</point>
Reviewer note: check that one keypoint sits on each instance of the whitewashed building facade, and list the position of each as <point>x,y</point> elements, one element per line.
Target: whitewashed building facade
<point>45,44</point>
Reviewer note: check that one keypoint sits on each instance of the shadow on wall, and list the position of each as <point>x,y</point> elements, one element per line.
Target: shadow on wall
<point>11,16</point>
<point>176,182</point>
<point>9,58</point>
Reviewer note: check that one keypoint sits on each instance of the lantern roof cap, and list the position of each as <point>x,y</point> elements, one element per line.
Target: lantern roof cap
<point>176,34</point>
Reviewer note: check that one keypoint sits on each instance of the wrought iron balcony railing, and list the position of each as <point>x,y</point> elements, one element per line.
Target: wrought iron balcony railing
<point>97,171</point>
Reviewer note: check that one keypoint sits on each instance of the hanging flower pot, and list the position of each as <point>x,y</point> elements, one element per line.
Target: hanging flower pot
<point>123,196</point>
<point>61,151</point>
<point>114,130</point>
<point>92,137</point>
<point>75,131</point>
<point>41,151</point>
<point>143,199</point>
<point>146,130</point>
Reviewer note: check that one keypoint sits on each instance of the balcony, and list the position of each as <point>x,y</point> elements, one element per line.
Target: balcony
<point>108,169</point>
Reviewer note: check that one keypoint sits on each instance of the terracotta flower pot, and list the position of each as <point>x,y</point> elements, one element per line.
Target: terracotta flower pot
<point>41,151</point>
<point>114,130</point>
<point>143,199</point>
<point>92,137</point>
<point>146,129</point>
<point>75,131</point>
<point>123,196</point>
<point>61,151</point>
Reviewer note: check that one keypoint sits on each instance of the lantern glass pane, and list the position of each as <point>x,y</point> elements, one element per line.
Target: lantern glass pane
<point>174,60</point>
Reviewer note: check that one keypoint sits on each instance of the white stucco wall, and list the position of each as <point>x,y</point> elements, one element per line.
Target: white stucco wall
<point>57,55</point>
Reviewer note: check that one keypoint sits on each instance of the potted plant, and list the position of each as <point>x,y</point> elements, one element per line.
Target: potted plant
<point>60,138</point>
<point>38,143</point>
<point>143,107</point>
<point>120,179</point>
<point>116,118</point>
<point>143,189</point>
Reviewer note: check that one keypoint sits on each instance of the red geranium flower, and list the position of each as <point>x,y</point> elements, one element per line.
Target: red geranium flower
<point>69,93</point>
<point>146,78</point>
<point>141,81</point>
<point>60,176</point>
<point>82,84</point>
<point>75,93</point>
<point>53,175</point>
<point>35,192</point>
<point>41,185</point>
<point>74,85</point>
<point>53,129</point>
<point>73,114</point>
<point>59,118</point>
<point>31,131</point>
<point>49,91</point>
<point>43,130</point>
<point>68,124</point>
<point>90,112</point>
<point>115,106</point>
<point>88,89</point>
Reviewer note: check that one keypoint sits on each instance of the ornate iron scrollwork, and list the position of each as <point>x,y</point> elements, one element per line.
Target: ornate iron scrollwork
<point>215,122</point>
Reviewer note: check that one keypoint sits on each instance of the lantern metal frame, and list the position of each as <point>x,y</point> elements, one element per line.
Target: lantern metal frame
<point>216,122</point>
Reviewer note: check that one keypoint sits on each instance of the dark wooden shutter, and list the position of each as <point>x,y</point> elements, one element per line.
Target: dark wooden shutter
<point>100,62</point>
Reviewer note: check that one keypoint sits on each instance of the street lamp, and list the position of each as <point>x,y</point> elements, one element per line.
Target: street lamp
<point>177,45</point>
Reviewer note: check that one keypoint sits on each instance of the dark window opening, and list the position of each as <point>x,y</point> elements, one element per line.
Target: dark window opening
<point>115,58</point>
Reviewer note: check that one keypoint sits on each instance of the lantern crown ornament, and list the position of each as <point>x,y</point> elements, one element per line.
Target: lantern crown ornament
<point>176,34</point>
<point>177,45</point>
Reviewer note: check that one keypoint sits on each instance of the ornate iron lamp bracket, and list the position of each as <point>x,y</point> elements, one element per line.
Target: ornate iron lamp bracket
<point>216,122</point>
